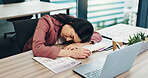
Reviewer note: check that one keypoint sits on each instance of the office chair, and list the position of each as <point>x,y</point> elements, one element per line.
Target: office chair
<point>24,30</point>
<point>15,19</point>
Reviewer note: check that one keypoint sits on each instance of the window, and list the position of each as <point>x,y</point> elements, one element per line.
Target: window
<point>105,13</point>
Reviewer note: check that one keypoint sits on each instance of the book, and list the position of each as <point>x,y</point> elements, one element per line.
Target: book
<point>57,65</point>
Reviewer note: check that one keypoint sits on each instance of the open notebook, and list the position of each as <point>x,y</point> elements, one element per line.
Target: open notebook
<point>100,45</point>
<point>57,65</point>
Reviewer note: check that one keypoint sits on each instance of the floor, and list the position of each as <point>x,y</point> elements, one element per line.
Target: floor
<point>8,46</point>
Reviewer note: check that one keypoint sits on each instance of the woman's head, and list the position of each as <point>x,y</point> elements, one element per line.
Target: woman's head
<point>69,34</point>
<point>79,30</point>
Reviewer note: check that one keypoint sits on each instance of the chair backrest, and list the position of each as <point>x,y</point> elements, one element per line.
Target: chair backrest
<point>12,1</point>
<point>24,30</point>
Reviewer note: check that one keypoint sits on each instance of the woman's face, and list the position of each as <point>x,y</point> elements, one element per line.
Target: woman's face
<point>69,34</point>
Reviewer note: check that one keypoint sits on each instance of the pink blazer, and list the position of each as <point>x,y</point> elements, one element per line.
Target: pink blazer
<point>45,36</point>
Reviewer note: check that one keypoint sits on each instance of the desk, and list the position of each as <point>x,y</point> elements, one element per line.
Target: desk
<point>23,66</point>
<point>29,8</point>
<point>121,30</point>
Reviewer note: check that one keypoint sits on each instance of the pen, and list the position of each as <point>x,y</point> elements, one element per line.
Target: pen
<point>108,48</point>
<point>101,49</point>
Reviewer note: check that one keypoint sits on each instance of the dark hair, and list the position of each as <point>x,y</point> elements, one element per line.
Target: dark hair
<point>82,27</point>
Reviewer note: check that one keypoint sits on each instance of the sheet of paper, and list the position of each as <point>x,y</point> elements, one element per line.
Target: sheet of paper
<point>59,64</point>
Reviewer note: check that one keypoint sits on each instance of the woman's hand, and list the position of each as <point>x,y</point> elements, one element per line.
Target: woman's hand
<point>80,53</point>
<point>76,53</point>
<point>75,46</point>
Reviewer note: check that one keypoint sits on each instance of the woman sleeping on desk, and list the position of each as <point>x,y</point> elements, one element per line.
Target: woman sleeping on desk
<point>56,29</point>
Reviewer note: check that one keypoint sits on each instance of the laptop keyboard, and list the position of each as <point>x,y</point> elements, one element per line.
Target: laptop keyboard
<point>93,74</point>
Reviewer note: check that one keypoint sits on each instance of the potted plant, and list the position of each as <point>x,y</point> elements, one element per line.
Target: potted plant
<point>137,38</point>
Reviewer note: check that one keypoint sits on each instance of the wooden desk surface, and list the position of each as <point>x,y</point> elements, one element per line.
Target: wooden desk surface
<point>23,66</point>
<point>29,8</point>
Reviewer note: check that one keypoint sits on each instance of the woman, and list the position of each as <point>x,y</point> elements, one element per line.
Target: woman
<point>56,29</point>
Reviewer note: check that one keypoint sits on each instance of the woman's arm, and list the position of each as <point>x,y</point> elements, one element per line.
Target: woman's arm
<point>38,46</point>
<point>76,45</point>
<point>76,53</point>
<point>96,37</point>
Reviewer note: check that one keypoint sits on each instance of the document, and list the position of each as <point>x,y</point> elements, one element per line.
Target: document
<point>57,65</point>
<point>102,44</point>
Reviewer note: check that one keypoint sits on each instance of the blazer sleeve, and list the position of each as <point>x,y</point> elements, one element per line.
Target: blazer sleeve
<point>38,46</point>
<point>96,37</point>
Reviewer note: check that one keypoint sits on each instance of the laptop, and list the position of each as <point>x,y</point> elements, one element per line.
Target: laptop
<point>114,64</point>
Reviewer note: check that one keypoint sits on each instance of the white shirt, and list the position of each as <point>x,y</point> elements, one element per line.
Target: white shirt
<point>60,40</point>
